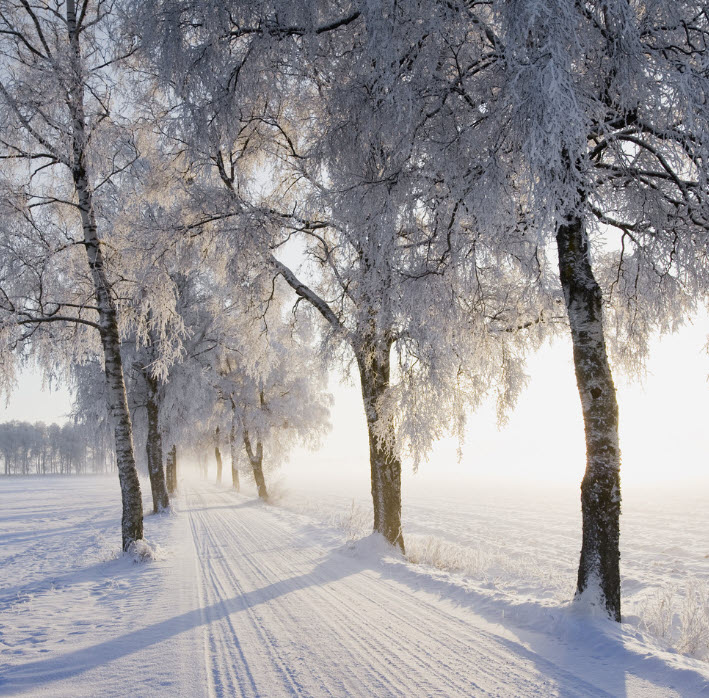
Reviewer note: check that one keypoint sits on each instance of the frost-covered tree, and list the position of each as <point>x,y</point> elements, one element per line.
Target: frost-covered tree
<point>76,275</point>
<point>144,399</point>
<point>246,370</point>
<point>266,94</point>
<point>56,92</point>
<point>50,449</point>
<point>276,396</point>
<point>605,104</point>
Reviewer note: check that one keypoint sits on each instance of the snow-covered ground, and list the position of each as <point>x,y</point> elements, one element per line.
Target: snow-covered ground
<point>522,542</point>
<point>247,599</point>
<point>78,618</point>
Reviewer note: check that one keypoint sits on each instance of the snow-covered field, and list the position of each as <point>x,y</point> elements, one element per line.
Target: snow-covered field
<point>246,599</point>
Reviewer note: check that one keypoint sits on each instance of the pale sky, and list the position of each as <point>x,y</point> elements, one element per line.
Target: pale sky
<point>664,433</point>
<point>663,425</point>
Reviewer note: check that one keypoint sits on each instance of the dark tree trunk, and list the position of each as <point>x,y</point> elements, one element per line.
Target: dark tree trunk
<point>171,470</point>
<point>218,457</point>
<point>256,460</point>
<point>233,453</point>
<point>385,467</point>
<point>599,567</point>
<point>153,445</point>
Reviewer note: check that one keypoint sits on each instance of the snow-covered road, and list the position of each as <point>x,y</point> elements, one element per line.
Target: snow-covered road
<point>253,600</point>
<point>285,615</point>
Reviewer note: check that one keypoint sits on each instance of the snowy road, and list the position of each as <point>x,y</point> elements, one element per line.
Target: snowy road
<point>284,615</point>
<point>246,599</point>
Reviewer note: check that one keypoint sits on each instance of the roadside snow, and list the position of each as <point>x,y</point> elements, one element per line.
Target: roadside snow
<point>77,616</point>
<point>523,543</point>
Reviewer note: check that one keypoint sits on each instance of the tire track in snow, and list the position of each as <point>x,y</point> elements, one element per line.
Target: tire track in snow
<point>228,668</point>
<point>212,648</point>
<point>339,618</point>
<point>388,668</point>
<point>285,616</point>
<point>263,629</point>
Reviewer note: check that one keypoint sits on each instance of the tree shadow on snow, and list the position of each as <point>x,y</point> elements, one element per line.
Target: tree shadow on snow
<point>72,664</point>
<point>29,537</point>
<point>105,571</point>
<point>578,646</point>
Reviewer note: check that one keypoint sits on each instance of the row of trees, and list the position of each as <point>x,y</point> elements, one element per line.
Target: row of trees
<point>53,449</point>
<point>432,189</point>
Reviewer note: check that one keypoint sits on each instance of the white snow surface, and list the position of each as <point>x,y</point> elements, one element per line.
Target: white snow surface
<point>242,598</point>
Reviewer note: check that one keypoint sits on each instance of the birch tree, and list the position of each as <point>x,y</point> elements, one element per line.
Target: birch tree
<point>276,398</point>
<point>389,238</point>
<point>607,108</point>
<point>63,147</point>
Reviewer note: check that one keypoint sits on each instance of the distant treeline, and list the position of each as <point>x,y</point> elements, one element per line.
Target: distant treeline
<point>48,449</point>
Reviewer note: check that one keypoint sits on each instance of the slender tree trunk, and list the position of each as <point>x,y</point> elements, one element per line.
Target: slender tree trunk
<point>256,460</point>
<point>171,471</point>
<point>153,445</point>
<point>599,567</point>
<point>233,453</point>
<point>132,520</point>
<point>218,457</point>
<point>385,467</point>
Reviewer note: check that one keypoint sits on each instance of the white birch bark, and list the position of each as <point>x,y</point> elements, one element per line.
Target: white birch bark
<point>132,519</point>
<point>256,460</point>
<point>233,447</point>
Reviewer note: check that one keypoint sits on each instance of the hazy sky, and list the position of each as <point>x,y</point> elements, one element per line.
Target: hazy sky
<point>33,402</point>
<point>664,433</point>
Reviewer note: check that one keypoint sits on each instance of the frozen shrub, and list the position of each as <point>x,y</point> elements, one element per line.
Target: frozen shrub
<point>657,612</point>
<point>356,522</point>
<point>142,551</point>
<point>694,620</point>
<point>277,493</point>
<point>680,618</point>
<point>442,555</point>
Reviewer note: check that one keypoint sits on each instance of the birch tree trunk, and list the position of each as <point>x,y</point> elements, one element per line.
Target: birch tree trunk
<point>374,370</point>
<point>599,567</point>
<point>233,452</point>
<point>153,446</point>
<point>171,470</point>
<point>132,520</point>
<point>218,457</point>
<point>256,460</point>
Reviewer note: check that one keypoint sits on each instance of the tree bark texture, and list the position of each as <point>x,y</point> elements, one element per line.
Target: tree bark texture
<point>171,470</point>
<point>218,457</point>
<point>153,445</point>
<point>256,460</point>
<point>233,452</point>
<point>599,567</point>
<point>385,467</point>
<point>132,519</point>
